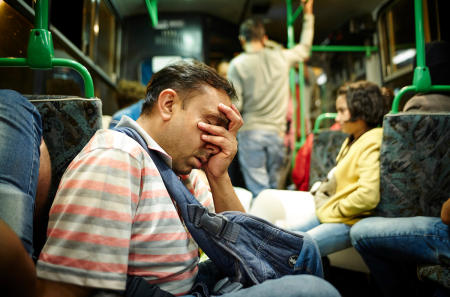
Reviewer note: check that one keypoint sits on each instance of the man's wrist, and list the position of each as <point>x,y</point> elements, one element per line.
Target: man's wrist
<point>217,179</point>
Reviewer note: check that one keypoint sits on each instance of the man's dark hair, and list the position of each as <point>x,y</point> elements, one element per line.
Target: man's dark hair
<point>366,102</point>
<point>185,78</point>
<point>252,30</point>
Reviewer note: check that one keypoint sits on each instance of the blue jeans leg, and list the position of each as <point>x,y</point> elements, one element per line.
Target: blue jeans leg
<point>20,138</point>
<point>309,260</point>
<point>331,237</point>
<point>392,248</point>
<point>308,222</point>
<point>303,285</point>
<point>261,156</point>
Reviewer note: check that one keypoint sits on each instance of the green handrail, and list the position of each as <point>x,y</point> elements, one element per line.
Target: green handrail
<point>421,77</point>
<point>152,8</point>
<point>40,54</point>
<point>291,17</point>
<point>321,117</point>
<point>345,48</point>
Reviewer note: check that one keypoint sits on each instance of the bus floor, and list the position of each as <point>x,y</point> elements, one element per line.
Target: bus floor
<point>352,283</point>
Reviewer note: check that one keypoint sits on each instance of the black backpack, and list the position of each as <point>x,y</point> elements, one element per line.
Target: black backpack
<point>247,249</point>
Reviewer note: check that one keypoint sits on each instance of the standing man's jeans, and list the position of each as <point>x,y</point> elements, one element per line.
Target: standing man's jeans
<point>20,138</point>
<point>261,155</point>
<point>392,248</point>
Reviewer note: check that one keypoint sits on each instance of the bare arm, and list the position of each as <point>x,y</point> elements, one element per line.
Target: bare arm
<point>308,6</point>
<point>47,288</point>
<point>302,50</point>
<point>18,273</point>
<point>445,212</point>
<point>223,195</point>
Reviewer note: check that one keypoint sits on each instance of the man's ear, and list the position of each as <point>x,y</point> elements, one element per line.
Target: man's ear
<point>165,104</point>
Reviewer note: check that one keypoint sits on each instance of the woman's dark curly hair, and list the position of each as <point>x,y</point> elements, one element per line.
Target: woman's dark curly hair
<point>365,102</point>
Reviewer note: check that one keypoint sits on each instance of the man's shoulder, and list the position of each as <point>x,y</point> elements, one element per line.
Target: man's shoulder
<point>113,141</point>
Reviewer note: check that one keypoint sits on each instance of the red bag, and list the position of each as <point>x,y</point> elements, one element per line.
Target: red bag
<point>300,172</point>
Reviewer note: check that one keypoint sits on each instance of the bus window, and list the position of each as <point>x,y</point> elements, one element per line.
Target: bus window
<point>397,38</point>
<point>101,48</point>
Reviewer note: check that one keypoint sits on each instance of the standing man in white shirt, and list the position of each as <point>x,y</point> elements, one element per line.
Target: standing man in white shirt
<point>260,76</point>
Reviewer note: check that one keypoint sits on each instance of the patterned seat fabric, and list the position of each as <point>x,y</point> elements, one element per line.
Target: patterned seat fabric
<point>68,123</point>
<point>326,146</point>
<point>415,164</point>
<point>436,273</point>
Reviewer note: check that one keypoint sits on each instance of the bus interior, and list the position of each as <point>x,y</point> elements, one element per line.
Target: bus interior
<point>97,45</point>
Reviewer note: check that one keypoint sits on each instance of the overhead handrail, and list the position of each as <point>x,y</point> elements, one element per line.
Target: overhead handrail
<point>40,53</point>
<point>421,78</point>
<point>321,117</point>
<point>345,48</point>
<point>152,8</point>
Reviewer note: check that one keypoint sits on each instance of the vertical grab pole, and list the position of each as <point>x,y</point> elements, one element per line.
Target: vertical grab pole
<point>290,43</point>
<point>420,41</point>
<point>421,79</point>
<point>41,15</point>
<point>152,8</point>
<point>40,44</point>
<point>301,80</point>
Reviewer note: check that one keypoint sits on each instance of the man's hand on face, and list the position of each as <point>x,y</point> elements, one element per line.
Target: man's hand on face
<point>223,139</point>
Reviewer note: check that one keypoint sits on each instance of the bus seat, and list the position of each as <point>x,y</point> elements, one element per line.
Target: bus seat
<point>415,172</point>
<point>326,146</point>
<point>68,123</point>
<point>414,164</point>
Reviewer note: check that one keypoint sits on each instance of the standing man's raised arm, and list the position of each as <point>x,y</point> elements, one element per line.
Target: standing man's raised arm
<point>302,50</point>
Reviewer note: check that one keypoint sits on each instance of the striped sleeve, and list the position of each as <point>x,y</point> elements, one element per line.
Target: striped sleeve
<point>199,189</point>
<point>90,221</point>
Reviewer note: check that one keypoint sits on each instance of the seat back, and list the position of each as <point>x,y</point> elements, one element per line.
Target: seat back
<point>414,164</point>
<point>68,123</point>
<point>326,146</point>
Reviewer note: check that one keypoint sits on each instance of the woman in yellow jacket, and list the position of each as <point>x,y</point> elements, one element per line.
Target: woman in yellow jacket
<point>351,190</point>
